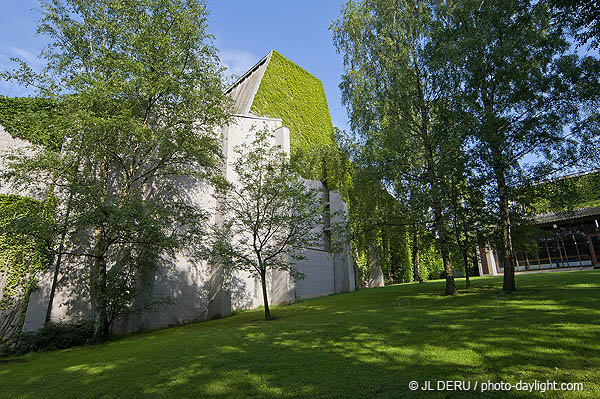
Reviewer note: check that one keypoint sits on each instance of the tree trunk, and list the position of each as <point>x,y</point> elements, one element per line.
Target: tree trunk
<point>98,281</point>
<point>416,257</point>
<point>53,286</point>
<point>462,246</point>
<point>263,281</point>
<point>439,219</point>
<point>506,249</point>
<point>99,266</point>
<point>63,234</point>
<point>432,176</point>
<point>395,276</point>
<point>58,262</point>
<point>466,252</point>
<point>475,263</point>
<point>466,260</point>
<point>450,284</point>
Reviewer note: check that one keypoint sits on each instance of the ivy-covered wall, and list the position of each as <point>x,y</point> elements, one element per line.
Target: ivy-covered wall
<point>25,233</point>
<point>295,96</point>
<point>396,263</point>
<point>32,119</point>
<point>567,193</point>
<point>25,223</point>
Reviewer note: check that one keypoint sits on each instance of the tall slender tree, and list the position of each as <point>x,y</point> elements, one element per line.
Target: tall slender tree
<point>518,84</point>
<point>393,94</point>
<point>269,216</point>
<point>141,89</point>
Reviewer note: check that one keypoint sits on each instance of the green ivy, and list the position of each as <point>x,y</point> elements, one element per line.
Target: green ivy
<point>431,263</point>
<point>296,97</point>
<point>32,119</point>
<point>563,194</point>
<point>394,254</point>
<point>25,231</point>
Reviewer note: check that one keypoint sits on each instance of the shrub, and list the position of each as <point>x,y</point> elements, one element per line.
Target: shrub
<point>52,337</point>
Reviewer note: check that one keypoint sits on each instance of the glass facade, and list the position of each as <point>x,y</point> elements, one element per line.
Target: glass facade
<point>570,243</point>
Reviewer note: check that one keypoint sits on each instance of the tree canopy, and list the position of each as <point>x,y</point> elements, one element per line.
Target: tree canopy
<point>140,88</point>
<point>392,89</point>
<point>269,215</point>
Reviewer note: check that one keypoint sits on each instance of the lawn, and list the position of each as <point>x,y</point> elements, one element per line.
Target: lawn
<point>370,343</point>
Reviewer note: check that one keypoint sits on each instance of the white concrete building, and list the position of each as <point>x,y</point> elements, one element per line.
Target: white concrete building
<point>198,290</point>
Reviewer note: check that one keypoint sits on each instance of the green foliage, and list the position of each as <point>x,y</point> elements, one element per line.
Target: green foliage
<point>295,96</point>
<point>376,218</point>
<point>269,215</point>
<point>432,266</point>
<point>521,85</point>
<point>145,101</point>
<point>525,237</point>
<point>392,88</point>
<point>392,335</point>
<point>32,119</point>
<point>25,231</point>
<point>394,253</point>
<point>401,258</point>
<point>361,259</point>
<point>51,337</point>
<point>583,17</point>
<point>564,193</point>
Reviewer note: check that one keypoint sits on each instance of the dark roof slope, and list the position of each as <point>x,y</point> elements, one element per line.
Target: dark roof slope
<point>578,213</point>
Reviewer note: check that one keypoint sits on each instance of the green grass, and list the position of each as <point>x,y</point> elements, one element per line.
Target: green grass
<point>366,344</point>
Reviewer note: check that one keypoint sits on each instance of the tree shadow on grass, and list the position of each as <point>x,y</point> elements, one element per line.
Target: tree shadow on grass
<point>368,344</point>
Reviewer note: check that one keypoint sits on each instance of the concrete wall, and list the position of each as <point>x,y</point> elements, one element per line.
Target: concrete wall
<point>375,273</point>
<point>193,289</point>
<point>15,146</point>
<point>245,288</point>
<point>196,289</point>
<point>319,272</point>
<point>344,262</point>
<point>488,262</point>
<point>325,273</point>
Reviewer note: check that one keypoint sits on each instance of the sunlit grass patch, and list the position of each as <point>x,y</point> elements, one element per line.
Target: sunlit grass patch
<point>370,343</point>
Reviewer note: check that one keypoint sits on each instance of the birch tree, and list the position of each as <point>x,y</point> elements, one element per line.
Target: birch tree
<point>141,89</point>
<point>392,91</point>
<point>519,83</point>
<point>269,216</point>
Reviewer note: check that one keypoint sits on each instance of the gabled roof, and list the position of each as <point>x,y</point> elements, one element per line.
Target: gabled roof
<point>244,89</point>
<point>275,87</point>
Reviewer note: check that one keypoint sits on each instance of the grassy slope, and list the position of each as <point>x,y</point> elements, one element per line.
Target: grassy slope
<point>367,344</point>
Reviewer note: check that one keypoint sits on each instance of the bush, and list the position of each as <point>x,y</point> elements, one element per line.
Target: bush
<point>52,337</point>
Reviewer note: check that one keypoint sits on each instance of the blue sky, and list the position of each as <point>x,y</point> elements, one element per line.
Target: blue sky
<point>244,32</point>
